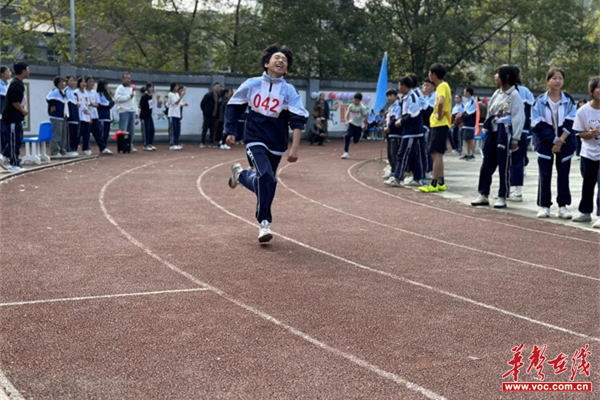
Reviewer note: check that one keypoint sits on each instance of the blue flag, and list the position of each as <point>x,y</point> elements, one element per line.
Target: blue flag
<point>382,85</point>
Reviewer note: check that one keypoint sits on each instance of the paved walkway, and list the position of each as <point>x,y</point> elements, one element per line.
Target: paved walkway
<point>462,178</point>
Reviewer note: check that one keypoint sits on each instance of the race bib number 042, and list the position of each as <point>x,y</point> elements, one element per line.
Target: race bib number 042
<point>268,104</point>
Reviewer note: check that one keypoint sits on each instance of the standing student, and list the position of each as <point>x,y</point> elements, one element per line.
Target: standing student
<point>85,119</point>
<point>5,74</point>
<point>146,106</point>
<point>94,103</point>
<point>440,122</point>
<point>275,108</point>
<point>226,95</point>
<point>58,111</point>
<point>411,123</point>
<point>356,116</point>
<point>587,123</point>
<point>175,105</point>
<point>429,95</point>
<point>469,122</point>
<point>455,134</point>
<point>552,117</point>
<point>105,105</point>
<point>503,129</point>
<point>73,120</point>
<point>580,104</point>
<point>124,98</point>
<point>519,157</point>
<point>210,112</point>
<point>13,115</point>
<point>392,131</point>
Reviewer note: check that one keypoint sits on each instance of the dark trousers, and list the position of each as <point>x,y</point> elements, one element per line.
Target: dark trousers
<point>98,134</point>
<point>262,180</point>
<point>240,126</point>
<point>590,170</point>
<point>74,136</point>
<point>84,134</point>
<point>318,137</point>
<point>393,145</point>
<point>427,157</point>
<point>148,131</point>
<point>14,140</point>
<point>175,130</point>
<point>352,133</point>
<point>494,157</point>
<point>517,171</point>
<point>409,158</point>
<point>545,182</point>
<point>3,136</point>
<point>456,139</point>
<point>208,124</point>
<point>105,130</point>
<point>219,137</point>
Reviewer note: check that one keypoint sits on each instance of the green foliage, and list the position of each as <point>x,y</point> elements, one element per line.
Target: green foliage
<point>330,38</point>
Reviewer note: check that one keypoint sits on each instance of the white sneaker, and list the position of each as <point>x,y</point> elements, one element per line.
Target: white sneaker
<point>174,148</point>
<point>153,148</point>
<point>264,234</point>
<point>345,156</point>
<point>133,149</point>
<point>202,145</point>
<point>583,217</point>
<point>413,183</point>
<point>87,152</point>
<point>14,169</point>
<point>455,153</point>
<point>517,198</point>
<point>236,170</point>
<point>564,213</point>
<point>392,182</point>
<point>481,200</point>
<point>107,151</point>
<point>596,224</point>
<point>4,162</point>
<point>500,203</point>
<point>225,147</point>
<point>544,212</point>
<point>180,147</point>
<point>148,148</point>
<point>428,176</point>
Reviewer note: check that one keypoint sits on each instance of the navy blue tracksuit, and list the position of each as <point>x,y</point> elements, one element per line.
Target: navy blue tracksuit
<point>410,153</point>
<point>519,156</point>
<point>496,154</point>
<point>275,107</point>
<point>546,132</point>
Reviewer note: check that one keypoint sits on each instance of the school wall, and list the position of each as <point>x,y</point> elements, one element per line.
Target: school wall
<point>40,83</point>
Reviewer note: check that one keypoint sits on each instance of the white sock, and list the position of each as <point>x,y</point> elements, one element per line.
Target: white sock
<point>518,190</point>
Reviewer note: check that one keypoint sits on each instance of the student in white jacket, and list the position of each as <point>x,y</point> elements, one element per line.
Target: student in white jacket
<point>126,107</point>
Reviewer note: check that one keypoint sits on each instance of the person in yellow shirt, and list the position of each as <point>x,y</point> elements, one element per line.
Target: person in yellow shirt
<point>440,122</point>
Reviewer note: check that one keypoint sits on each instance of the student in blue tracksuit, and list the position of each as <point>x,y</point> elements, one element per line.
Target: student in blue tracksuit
<point>58,110</point>
<point>455,133</point>
<point>73,118</point>
<point>503,126</point>
<point>552,117</point>
<point>391,130</point>
<point>105,105</point>
<point>519,157</point>
<point>5,74</point>
<point>469,122</point>
<point>275,107</point>
<point>411,122</point>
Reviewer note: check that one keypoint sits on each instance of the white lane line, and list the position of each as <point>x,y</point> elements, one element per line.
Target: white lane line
<point>358,361</point>
<point>8,389</point>
<point>393,276</point>
<point>462,215</point>
<point>106,296</point>
<point>435,239</point>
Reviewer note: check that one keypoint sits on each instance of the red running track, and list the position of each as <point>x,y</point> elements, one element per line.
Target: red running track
<point>365,292</point>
